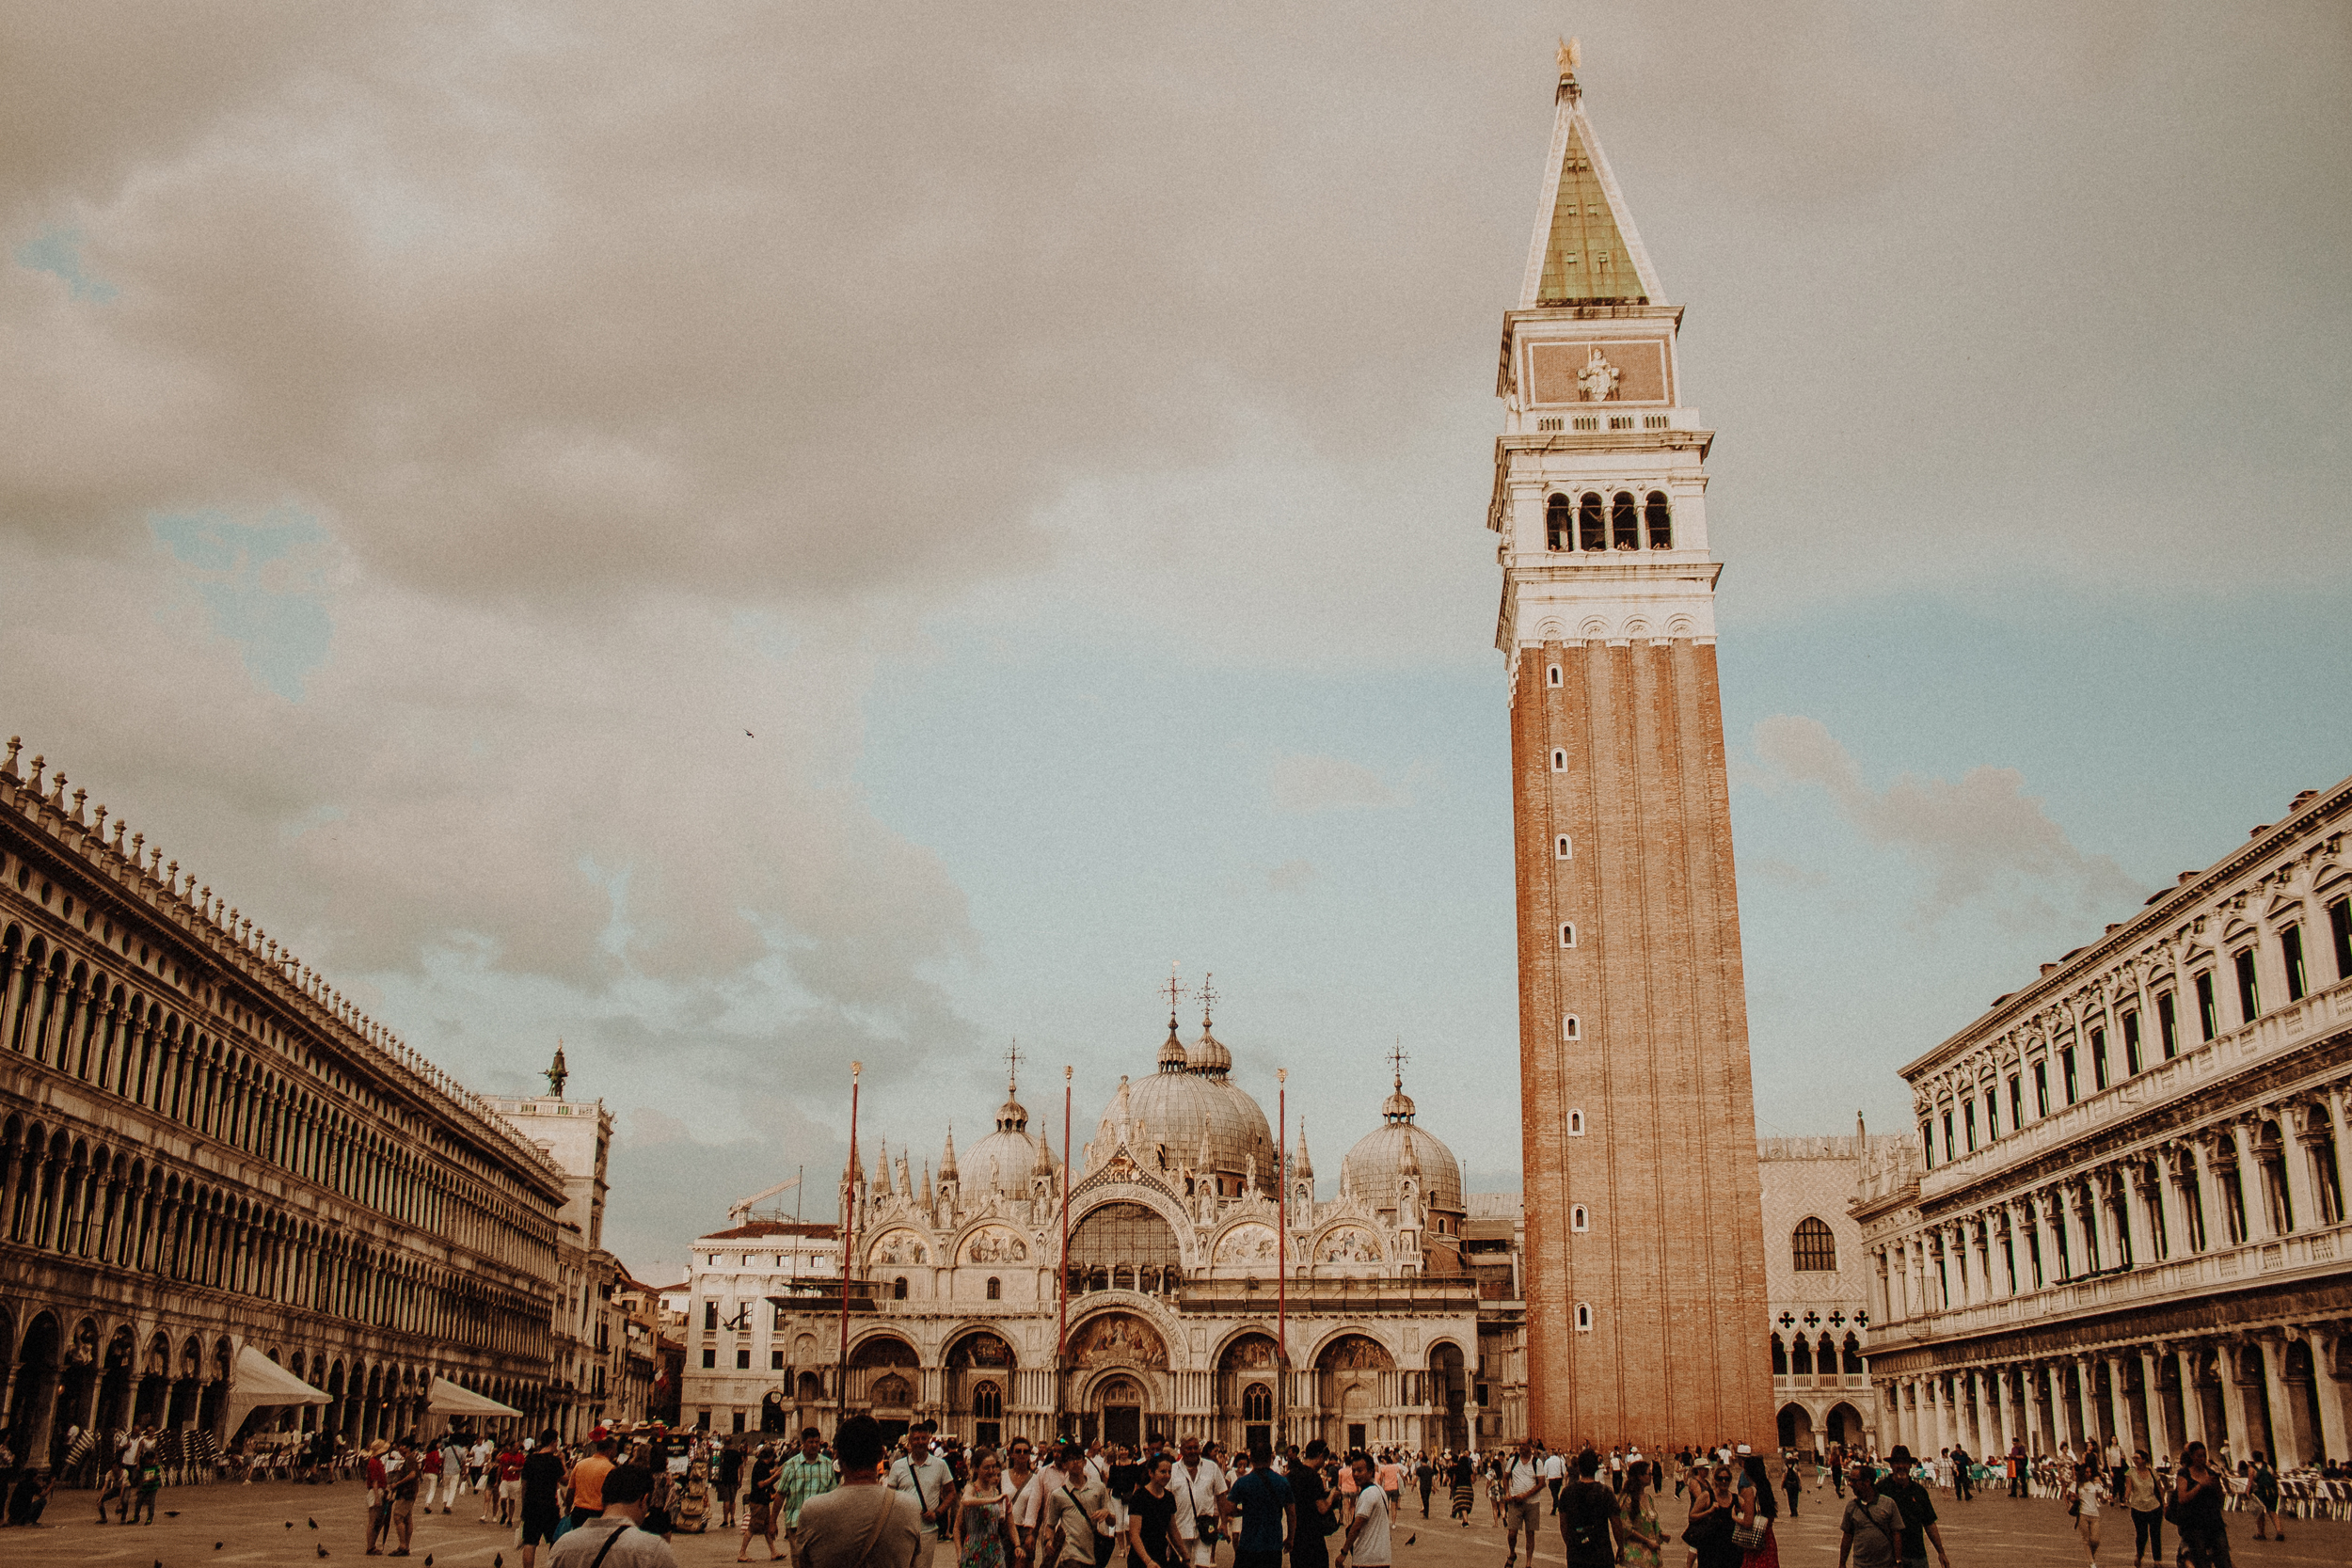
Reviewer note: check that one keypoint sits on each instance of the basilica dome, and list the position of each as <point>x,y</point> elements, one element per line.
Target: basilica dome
<point>1190,1113</point>
<point>1395,1149</point>
<point>1004,1160</point>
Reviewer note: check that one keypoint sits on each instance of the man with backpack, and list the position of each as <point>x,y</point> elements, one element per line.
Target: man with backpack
<point>1588,1516</point>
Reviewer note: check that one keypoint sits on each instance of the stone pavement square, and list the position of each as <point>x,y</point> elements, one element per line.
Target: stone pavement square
<point>249,1523</point>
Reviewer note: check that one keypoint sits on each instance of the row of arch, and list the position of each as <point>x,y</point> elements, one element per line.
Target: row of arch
<point>123,1209</point>
<point>60,1011</point>
<point>1619,522</point>
<point>61,1380</point>
<point>1800,1357</point>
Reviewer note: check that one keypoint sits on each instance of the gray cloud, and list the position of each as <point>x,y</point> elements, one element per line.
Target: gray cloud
<point>1312,781</point>
<point>1981,839</point>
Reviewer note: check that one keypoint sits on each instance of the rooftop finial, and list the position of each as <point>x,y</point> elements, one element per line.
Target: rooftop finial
<point>1397,1058</point>
<point>1571,56</point>
<point>1013,1068</point>
<point>556,1073</point>
<point>1208,997</point>
<point>1174,987</point>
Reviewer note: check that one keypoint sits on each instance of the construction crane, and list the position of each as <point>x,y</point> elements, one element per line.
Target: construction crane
<point>742,1212</point>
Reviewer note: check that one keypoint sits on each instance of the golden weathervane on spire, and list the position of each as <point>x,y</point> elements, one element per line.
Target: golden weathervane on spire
<point>1571,54</point>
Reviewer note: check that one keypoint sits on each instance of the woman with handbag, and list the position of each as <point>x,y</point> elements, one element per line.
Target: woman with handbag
<point>1753,1513</point>
<point>1710,1533</point>
<point>2195,1510</point>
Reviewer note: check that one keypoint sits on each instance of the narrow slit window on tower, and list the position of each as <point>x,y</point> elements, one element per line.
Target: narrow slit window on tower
<point>1579,1221</point>
<point>1559,525</point>
<point>1662,521</point>
<point>1559,760</point>
<point>1584,1317</point>
<point>1567,933</point>
<point>1554,676</point>
<point>1563,848</point>
<point>1591,529</point>
<point>1569,1028</point>
<point>1624,524</point>
<point>1576,1124</point>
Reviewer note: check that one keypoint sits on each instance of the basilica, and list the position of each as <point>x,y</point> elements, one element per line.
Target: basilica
<point>1202,1292</point>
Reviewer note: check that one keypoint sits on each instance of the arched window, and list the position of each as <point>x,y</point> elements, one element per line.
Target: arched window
<point>1624,524</point>
<point>1584,1317</point>
<point>1257,1402</point>
<point>995,1288</point>
<point>988,1402</point>
<point>1802,1363</point>
<point>1559,760</point>
<point>1559,525</point>
<point>1567,933</point>
<point>1853,1355</point>
<point>898,1288</point>
<point>1662,521</point>
<point>1576,1124</point>
<point>1554,677</point>
<point>1591,533</point>
<point>1780,1358</point>
<point>1814,1247</point>
<point>1580,1220</point>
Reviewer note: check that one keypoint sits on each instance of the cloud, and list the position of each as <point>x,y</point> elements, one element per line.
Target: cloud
<point>1771,868</point>
<point>1981,839</point>
<point>1292,876</point>
<point>1312,781</point>
<point>669,1186</point>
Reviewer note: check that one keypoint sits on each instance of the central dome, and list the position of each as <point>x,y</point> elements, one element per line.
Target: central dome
<point>1004,1160</point>
<point>1191,1113</point>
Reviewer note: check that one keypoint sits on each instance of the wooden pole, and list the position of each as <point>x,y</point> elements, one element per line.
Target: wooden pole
<point>848,1232</point>
<point>1281,1258</point>
<point>1061,1343</point>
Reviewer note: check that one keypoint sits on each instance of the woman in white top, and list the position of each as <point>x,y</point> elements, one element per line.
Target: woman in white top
<point>2089,1489</point>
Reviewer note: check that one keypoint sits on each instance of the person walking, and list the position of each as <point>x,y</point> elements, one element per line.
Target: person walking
<point>805,1475</point>
<point>2143,1494</point>
<point>1070,1521</point>
<point>1151,1533</point>
<point>1790,1486</point>
<point>1556,1473</point>
<point>2195,1511</point>
<point>2017,1468</point>
<point>1640,1540</point>
<point>1753,1511</point>
<point>1591,1518</point>
<point>1201,1503</point>
<point>862,1523</point>
<point>1425,1472</point>
<point>1710,1529</point>
<point>1963,1476</point>
<point>1464,1482</point>
<point>2262,1490</point>
<point>983,1519</point>
<point>1522,1486</point>
<point>923,1474</point>
<point>2084,1493</point>
<point>619,1536</point>
<point>544,1476</point>
<point>760,1505</point>
<point>730,1481</point>
<point>1920,1529</point>
<point>1869,1534</point>
<point>402,1484</point>
<point>1311,1498</point>
<point>1268,1507</point>
<point>1368,1533</point>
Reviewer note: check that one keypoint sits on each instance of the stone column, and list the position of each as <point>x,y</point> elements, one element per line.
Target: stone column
<point>2245,1433</point>
<point>2062,1413</point>
<point>2120,1402</point>
<point>2290,1418</point>
<point>2296,1159</point>
<point>1997,1432</point>
<point>2192,1398</point>
<point>2333,1438</point>
<point>2161,1439</point>
<point>2249,1183</point>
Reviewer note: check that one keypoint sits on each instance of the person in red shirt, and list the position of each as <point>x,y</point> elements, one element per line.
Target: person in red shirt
<point>379,1498</point>
<point>509,1469</point>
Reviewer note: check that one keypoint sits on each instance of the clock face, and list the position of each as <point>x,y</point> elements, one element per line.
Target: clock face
<point>1614,370</point>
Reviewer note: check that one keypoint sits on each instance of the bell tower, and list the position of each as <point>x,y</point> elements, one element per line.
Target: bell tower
<point>1645,1299</point>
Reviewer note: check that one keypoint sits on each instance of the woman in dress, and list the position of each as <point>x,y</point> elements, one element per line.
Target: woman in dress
<point>2087,1491</point>
<point>2195,1511</point>
<point>2143,1494</point>
<point>1464,1481</point>
<point>983,1523</point>
<point>1753,1508</point>
<point>1639,1539</point>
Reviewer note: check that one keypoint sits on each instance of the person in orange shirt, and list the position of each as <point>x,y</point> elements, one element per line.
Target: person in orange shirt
<point>588,1477</point>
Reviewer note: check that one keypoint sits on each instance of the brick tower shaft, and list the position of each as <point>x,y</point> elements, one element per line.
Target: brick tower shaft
<point>1646,1297</point>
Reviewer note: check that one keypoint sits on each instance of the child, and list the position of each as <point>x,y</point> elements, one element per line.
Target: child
<point>151,1482</point>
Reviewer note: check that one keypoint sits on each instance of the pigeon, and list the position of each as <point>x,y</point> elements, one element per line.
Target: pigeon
<point>1408,1541</point>
<point>497,1559</point>
<point>217,1545</point>
<point>428,1559</point>
<point>322,1553</point>
<point>748,733</point>
<point>290,1524</point>
<point>312,1523</point>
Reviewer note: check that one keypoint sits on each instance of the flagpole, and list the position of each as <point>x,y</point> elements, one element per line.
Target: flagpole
<point>1281,1257</point>
<point>849,1232</point>
<point>1061,1343</point>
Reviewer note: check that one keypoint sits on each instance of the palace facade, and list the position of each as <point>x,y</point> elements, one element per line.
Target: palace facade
<point>2124,1211</point>
<point>1209,1291</point>
<point>206,1151</point>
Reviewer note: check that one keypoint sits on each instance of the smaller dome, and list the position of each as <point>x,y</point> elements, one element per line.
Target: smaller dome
<point>1399,1105</point>
<point>1397,1149</point>
<point>1208,1054</point>
<point>1172,1054</point>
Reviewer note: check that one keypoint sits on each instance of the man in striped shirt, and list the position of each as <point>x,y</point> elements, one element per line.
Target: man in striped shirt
<point>809,1473</point>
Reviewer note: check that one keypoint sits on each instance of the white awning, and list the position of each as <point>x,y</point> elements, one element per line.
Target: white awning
<point>451,1399</point>
<point>255,1380</point>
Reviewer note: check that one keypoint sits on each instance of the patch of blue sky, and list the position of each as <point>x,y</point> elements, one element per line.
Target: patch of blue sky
<point>57,250</point>
<point>262,585</point>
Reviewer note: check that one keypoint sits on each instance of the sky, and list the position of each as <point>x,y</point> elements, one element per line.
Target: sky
<point>746,538</point>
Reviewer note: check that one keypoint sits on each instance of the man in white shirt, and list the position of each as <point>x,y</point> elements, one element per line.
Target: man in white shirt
<point>1028,1504</point>
<point>1555,1472</point>
<point>1520,1510</point>
<point>924,1476</point>
<point>1368,1522</point>
<point>1198,1486</point>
